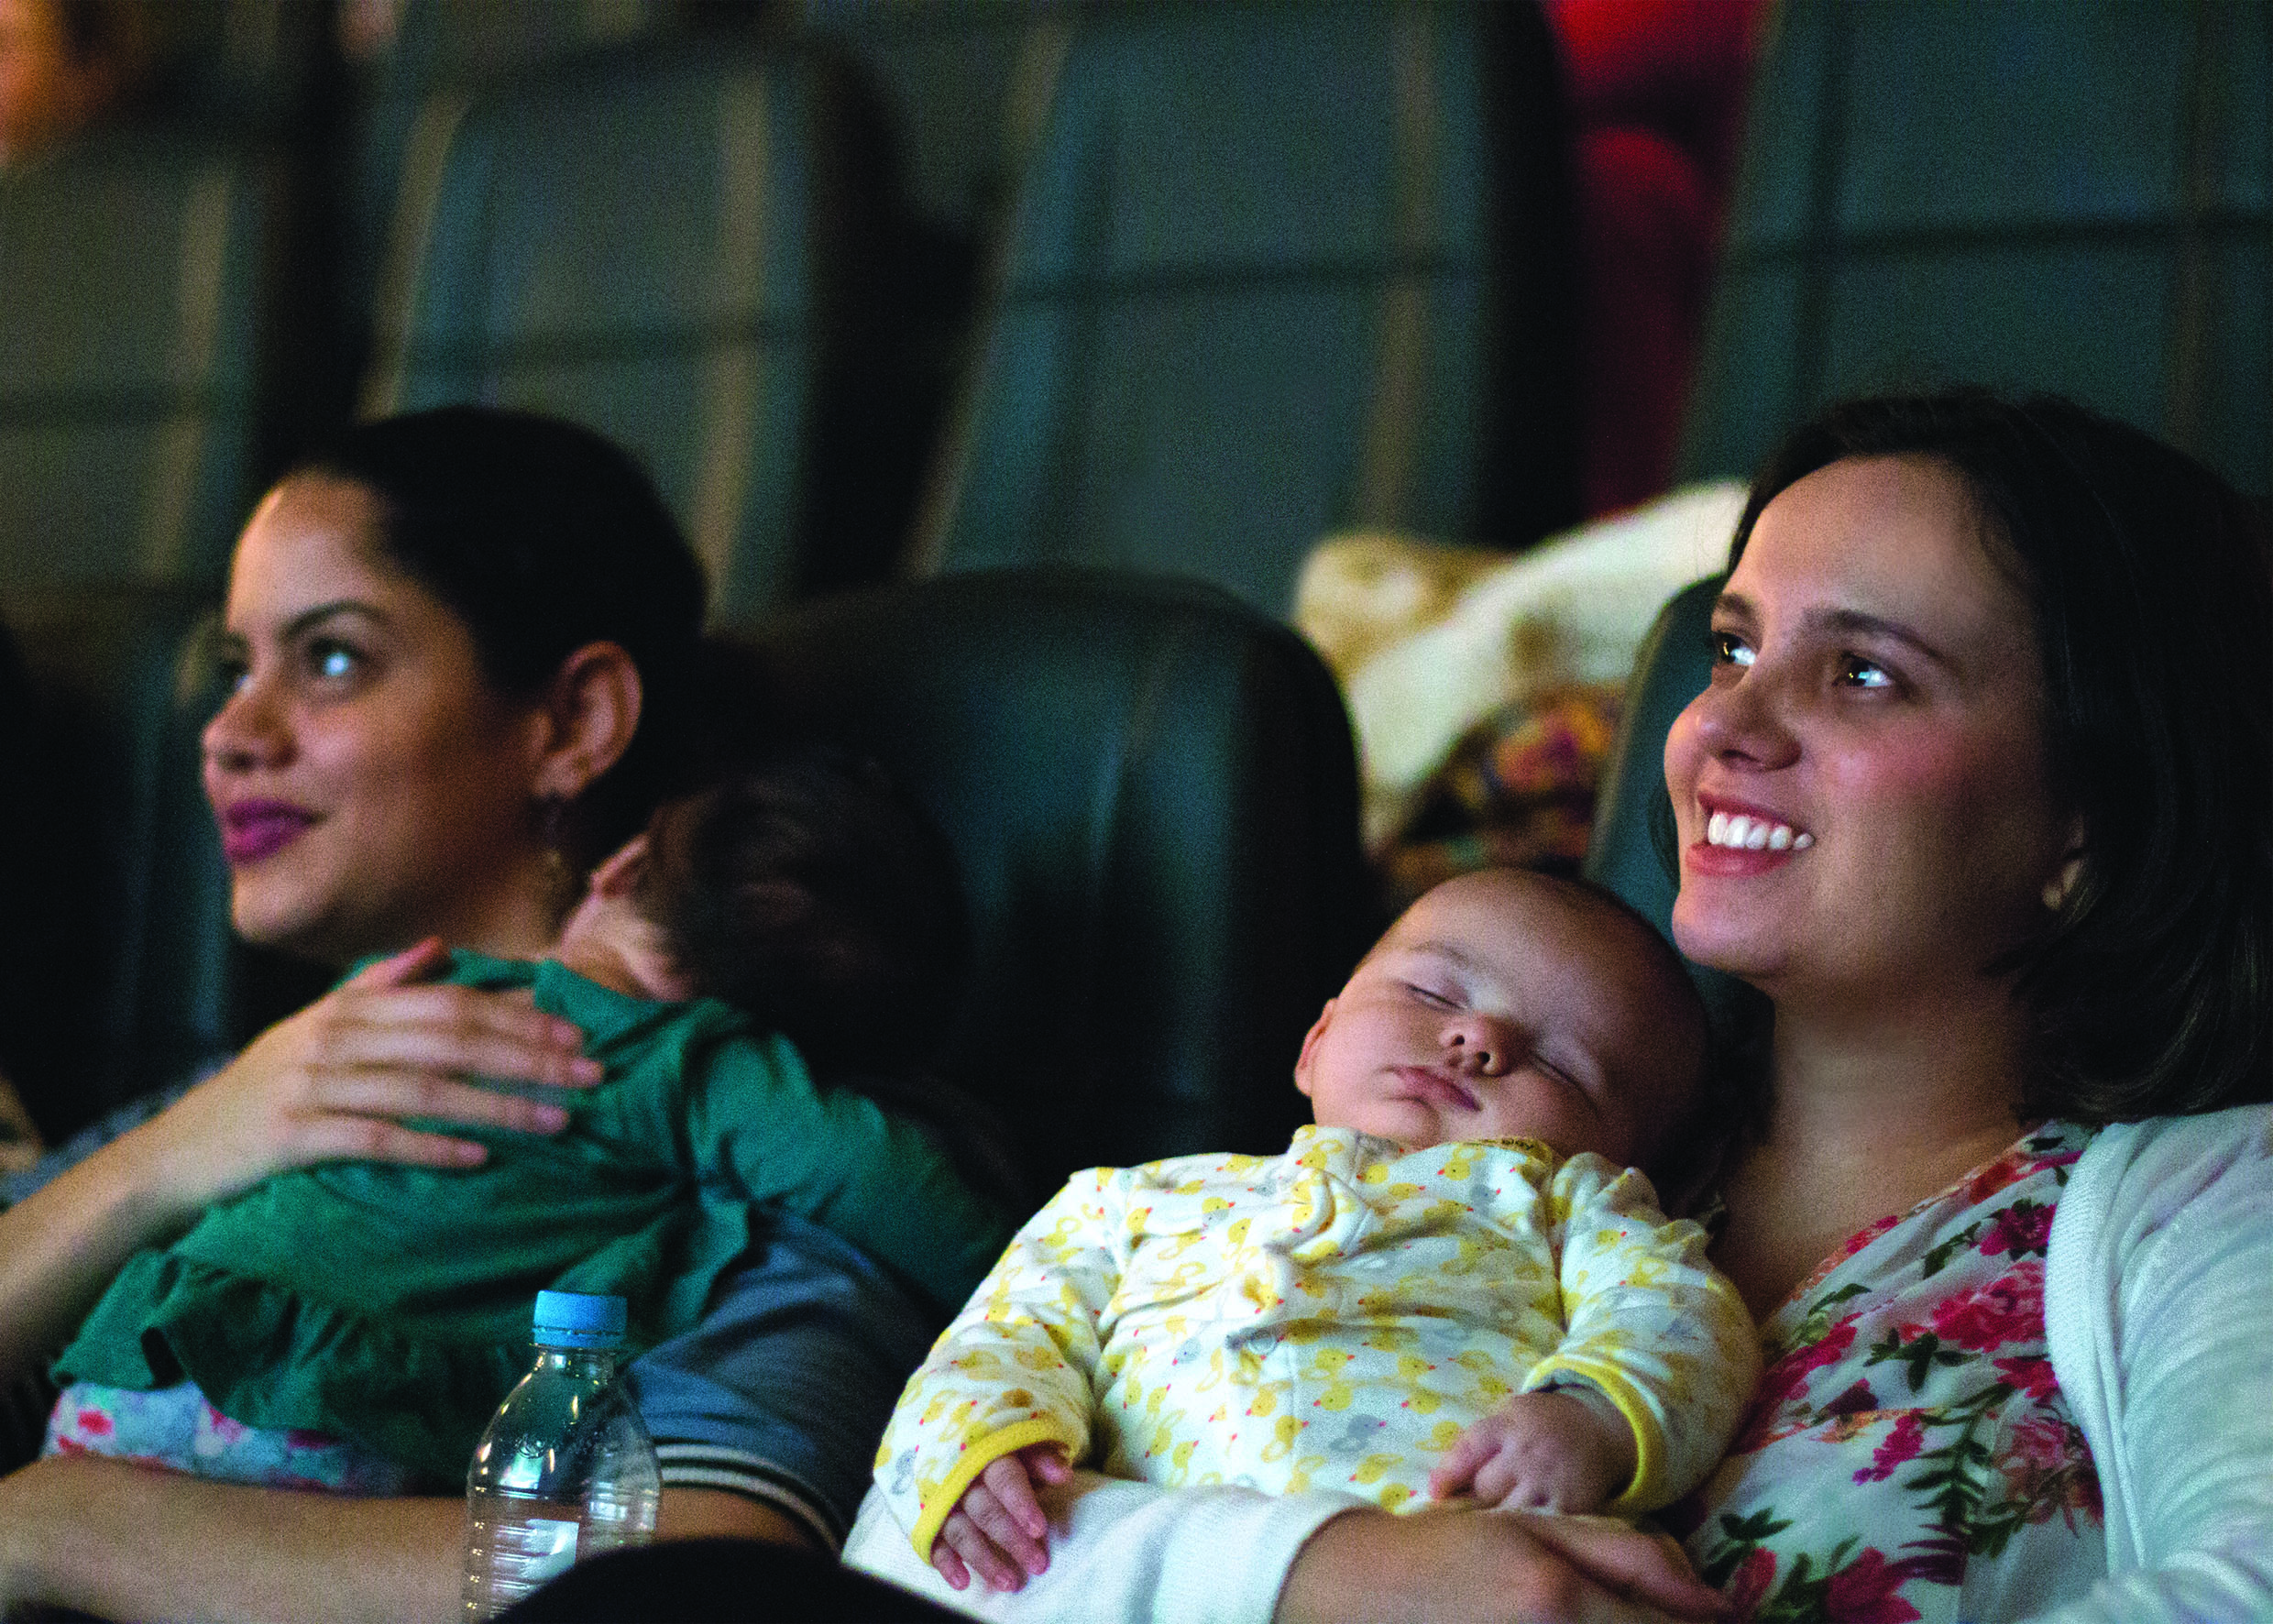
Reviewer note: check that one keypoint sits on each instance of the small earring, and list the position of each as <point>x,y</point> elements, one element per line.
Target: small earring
<point>2057,888</point>
<point>552,835</point>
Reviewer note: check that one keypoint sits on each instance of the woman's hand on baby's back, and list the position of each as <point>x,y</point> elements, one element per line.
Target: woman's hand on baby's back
<point>334,1080</point>
<point>998,1531</point>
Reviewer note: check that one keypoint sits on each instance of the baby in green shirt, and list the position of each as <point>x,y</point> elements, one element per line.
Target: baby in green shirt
<point>352,1325</point>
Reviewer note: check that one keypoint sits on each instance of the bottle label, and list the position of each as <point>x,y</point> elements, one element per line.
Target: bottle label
<point>536,1548</point>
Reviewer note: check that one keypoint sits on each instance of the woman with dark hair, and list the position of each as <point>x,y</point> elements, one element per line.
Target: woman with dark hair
<point>463,645</point>
<point>1978,799</point>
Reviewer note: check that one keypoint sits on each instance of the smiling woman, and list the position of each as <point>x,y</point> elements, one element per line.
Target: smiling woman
<point>370,786</point>
<point>1980,795</point>
<point>463,647</point>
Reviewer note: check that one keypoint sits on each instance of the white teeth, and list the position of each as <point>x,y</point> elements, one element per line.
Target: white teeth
<point>1740,832</point>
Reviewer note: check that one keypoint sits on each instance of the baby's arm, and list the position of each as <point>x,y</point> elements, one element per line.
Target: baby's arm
<point>1652,1326</point>
<point>1006,1396</point>
<point>1558,1449</point>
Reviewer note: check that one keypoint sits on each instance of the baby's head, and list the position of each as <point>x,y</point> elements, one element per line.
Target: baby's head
<point>805,890</point>
<point>1508,1005</point>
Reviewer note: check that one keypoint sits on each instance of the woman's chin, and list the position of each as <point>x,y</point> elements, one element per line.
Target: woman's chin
<point>1727,945</point>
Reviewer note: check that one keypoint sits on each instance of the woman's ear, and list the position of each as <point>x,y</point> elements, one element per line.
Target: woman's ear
<point>591,710</point>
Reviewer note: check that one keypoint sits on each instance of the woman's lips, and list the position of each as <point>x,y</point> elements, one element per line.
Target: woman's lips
<point>251,830</point>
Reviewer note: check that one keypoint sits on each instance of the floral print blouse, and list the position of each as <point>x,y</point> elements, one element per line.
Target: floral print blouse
<point>1907,1454</point>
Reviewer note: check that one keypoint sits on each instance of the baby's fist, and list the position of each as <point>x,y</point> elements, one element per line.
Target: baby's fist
<point>1552,1451</point>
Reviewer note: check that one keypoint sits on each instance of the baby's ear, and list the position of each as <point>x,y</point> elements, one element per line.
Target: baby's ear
<point>1309,1043</point>
<point>621,873</point>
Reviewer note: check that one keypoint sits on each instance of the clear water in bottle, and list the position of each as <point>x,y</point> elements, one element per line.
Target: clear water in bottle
<point>565,1469</point>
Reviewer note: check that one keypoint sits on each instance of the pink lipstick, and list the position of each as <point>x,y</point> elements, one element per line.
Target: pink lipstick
<point>251,830</point>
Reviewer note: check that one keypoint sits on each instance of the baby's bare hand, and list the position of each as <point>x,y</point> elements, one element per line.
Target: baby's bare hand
<point>1550,1452</point>
<point>998,1530</point>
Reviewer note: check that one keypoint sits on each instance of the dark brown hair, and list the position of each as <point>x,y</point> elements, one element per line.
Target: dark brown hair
<point>808,891</point>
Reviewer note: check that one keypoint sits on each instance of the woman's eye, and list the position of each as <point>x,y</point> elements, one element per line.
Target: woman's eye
<point>1728,649</point>
<point>332,661</point>
<point>1855,672</point>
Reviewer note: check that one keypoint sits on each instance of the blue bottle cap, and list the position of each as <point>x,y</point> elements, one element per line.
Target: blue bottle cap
<point>578,1320</point>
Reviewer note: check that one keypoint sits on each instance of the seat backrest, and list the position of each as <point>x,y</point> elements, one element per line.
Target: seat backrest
<point>2063,195</point>
<point>131,896</point>
<point>1630,848</point>
<point>136,270</point>
<point>1152,793</point>
<point>1270,271</point>
<point>673,243</point>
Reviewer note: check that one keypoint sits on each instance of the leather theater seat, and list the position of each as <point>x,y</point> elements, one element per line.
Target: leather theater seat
<point>138,288</point>
<point>133,985</point>
<point>1632,846</point>
<point>2063,195</point>
<point>677,244</point>
<point>1152,793</point>
<point>1270,271</point>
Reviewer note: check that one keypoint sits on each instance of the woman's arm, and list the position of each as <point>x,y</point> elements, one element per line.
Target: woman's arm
<point>328,1082</point>
<point>122,1542</point>
<point>1125,1551</point>
<point>2157,1317</point>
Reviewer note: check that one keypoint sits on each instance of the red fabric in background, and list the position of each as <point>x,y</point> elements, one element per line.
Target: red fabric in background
<point>1657,91</point>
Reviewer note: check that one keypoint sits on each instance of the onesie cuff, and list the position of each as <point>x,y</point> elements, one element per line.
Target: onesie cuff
<point>976,1457</point>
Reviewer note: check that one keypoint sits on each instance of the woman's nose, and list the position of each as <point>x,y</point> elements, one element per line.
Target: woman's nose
<point>245,731</point>
<point>1743,722</point>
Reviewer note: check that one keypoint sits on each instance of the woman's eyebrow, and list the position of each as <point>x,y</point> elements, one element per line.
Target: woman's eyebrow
<point>1854,622</point>
<point>324,611</point>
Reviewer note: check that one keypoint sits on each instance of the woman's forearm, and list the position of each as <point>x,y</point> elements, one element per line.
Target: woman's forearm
<point>123,1541</point>
<point>61,1246</point>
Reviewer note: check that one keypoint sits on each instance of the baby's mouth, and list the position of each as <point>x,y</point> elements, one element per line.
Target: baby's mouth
<point>1432,1086</point>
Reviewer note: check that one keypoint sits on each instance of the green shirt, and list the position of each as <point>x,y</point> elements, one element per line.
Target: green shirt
<point>390,1304</point>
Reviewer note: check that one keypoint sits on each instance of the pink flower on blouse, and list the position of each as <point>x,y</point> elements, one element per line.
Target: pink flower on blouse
<point>1899,1447</point>
<point>1752,1581</point>
<point>2009,1308</point>
<point>2031,1375</point>
<point>2018,1229</point>
<point>1863,1592</point>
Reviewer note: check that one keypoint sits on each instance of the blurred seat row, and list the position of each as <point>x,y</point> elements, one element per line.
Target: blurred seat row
<point>1270,270</point>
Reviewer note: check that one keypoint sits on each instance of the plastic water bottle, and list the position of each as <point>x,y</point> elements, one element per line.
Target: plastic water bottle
<point>566,1469</point>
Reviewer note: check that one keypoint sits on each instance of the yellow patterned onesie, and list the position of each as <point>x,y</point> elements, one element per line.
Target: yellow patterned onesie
<point>1333,1317</point>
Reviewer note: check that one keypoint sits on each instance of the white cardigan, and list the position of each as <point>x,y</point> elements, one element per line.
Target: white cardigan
<point>2158,1309</point>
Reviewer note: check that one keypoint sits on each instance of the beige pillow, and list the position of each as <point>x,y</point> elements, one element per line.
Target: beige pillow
<point>1429,639</point>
